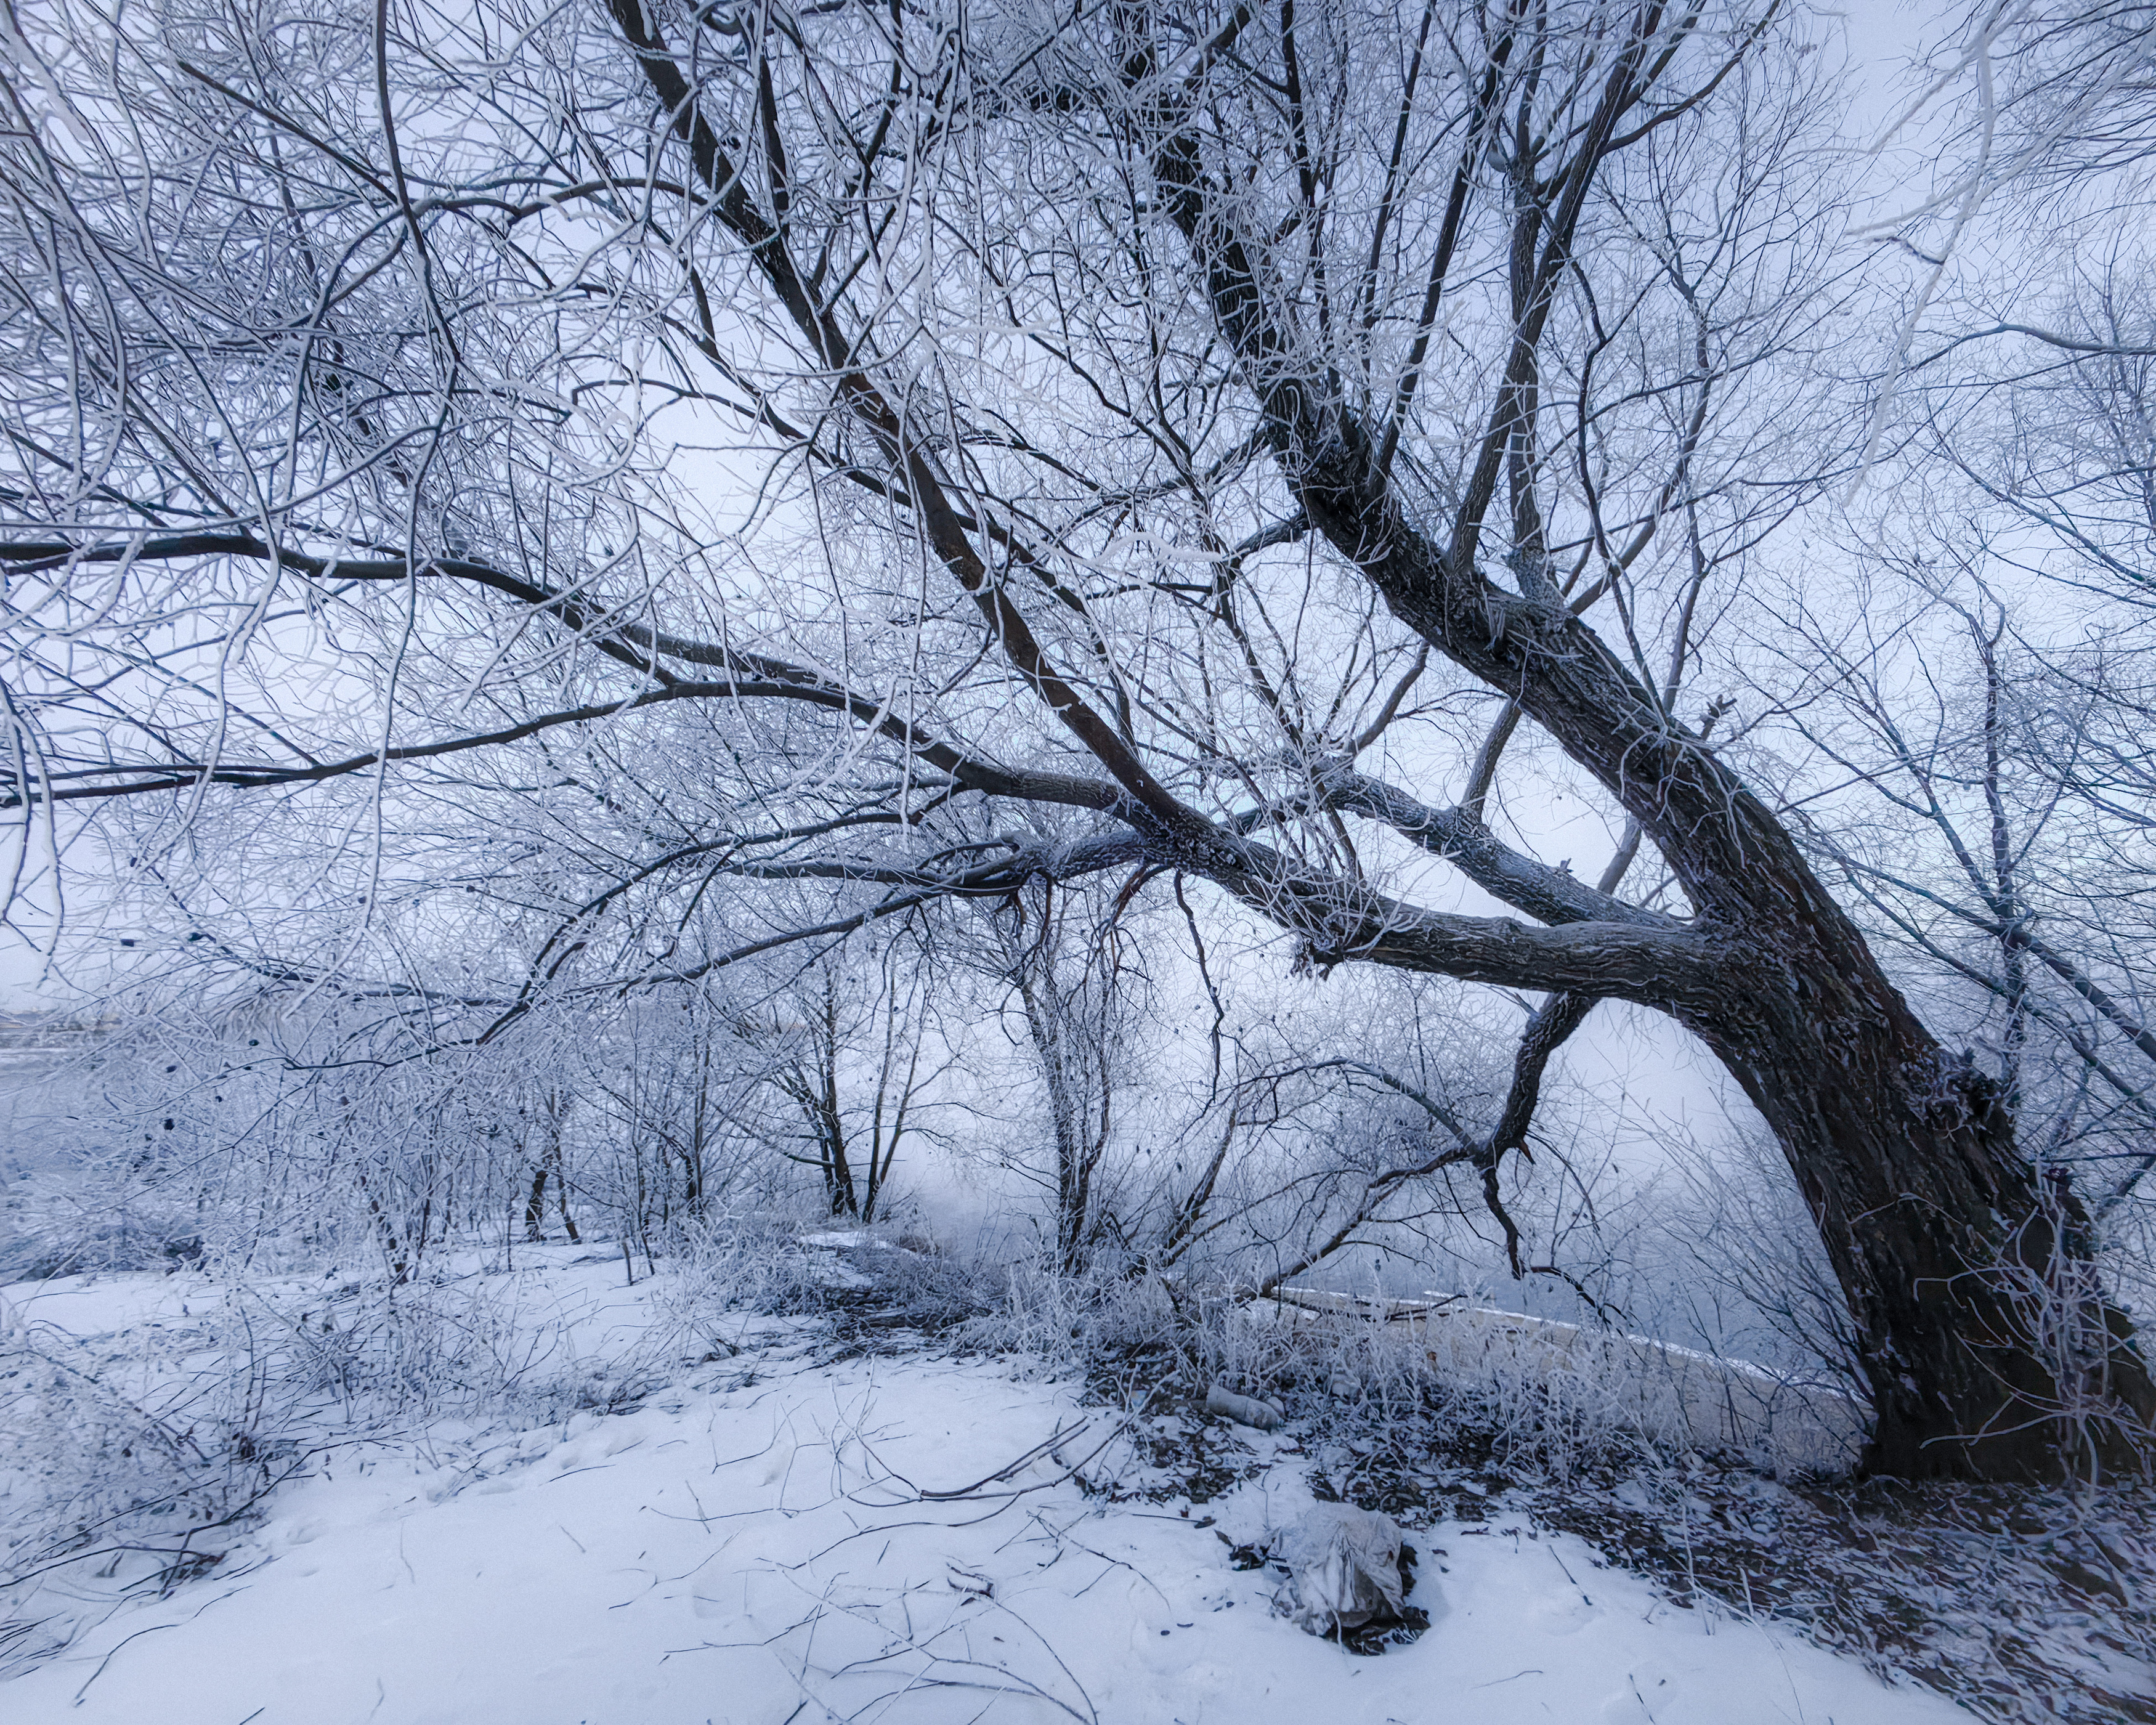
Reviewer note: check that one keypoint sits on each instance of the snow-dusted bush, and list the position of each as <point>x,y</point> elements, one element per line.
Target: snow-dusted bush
<point>1549,1396</point>
<point>1079,1323</point>
<point>55,1223</point>
<point>120,1454</point>
<point>723,1264</point>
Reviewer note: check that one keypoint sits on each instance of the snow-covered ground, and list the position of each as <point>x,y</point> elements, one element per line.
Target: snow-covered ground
<point>914,1539</point>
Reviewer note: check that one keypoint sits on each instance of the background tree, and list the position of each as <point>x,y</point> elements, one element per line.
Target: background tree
<point>1069,967</point>
<point>852,1040</point>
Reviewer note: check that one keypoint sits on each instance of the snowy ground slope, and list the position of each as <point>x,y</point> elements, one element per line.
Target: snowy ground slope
<point>765,1543</point>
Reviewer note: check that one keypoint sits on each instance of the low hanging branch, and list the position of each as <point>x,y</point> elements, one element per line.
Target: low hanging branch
<point>1545,1032</point>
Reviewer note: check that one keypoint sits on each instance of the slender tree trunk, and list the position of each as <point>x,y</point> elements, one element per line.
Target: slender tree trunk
<point>556,1107</point>
<point>1052,1034</point>
<point>535,1207</point>
<point>700,1125</point>
<point>837,1167</point>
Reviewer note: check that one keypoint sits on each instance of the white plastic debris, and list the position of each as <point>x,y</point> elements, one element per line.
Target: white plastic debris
<point>1244,1409</point>
<point>1343,1569</point>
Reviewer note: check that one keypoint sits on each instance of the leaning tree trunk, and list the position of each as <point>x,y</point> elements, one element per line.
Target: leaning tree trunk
<point>1989,1346</point>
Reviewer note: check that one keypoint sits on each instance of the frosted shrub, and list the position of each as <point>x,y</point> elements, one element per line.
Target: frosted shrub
<point>1079,1322</point>
<point>1549,1396</point>
<point>117,1456</point>
<point>64,1223</point>
<point>363,1355</point>
<point>742,1264</point>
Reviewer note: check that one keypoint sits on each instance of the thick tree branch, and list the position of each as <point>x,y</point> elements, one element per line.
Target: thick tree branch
<point>943,524</point>
<point>1714,831</point>
<point>1549,895</point>
<point>1560,1016</point>
<point>754,676</point>
<point>1677,968</point>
